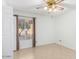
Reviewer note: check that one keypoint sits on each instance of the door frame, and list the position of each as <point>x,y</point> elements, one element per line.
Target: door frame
<point>34,33</point>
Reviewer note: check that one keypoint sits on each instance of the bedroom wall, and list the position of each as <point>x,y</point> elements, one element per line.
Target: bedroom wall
<point>7,31</point>
<point>57,28</point>
<point>66,29</point>
<point>44,30</point>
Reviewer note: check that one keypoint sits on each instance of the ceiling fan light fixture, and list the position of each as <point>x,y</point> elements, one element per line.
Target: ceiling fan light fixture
<point>55,10</point>
<point>45,8</point>
<point>50,10</point>
<point>53,5</point>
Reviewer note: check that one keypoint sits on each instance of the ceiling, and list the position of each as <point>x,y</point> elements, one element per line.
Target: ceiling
<point>31,6</point>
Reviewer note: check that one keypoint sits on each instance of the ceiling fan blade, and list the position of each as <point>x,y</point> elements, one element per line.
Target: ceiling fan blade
<point>39,6</point>
<point>66,5</point>
<point>59,7</point>
<point>59,1</point>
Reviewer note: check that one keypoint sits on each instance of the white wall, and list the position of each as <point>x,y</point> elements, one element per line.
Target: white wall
<point>66,29</point>
<point>44,30</point>
<point>7,31</point>
<point>57,28</point>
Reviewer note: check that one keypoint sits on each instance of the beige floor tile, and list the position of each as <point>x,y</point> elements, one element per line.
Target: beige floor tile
<point>50,51</point>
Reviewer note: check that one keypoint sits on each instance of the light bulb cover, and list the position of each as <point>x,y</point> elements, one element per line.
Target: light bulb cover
<point>45,8</point>
<point>50,9</point>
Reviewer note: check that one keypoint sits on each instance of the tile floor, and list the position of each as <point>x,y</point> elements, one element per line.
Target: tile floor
<point>50,51</point>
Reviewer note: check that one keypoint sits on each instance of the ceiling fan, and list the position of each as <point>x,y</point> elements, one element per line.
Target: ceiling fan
<point>52,5</point>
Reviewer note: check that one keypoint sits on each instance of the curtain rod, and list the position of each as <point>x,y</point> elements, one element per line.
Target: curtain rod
<point>23,16</point>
